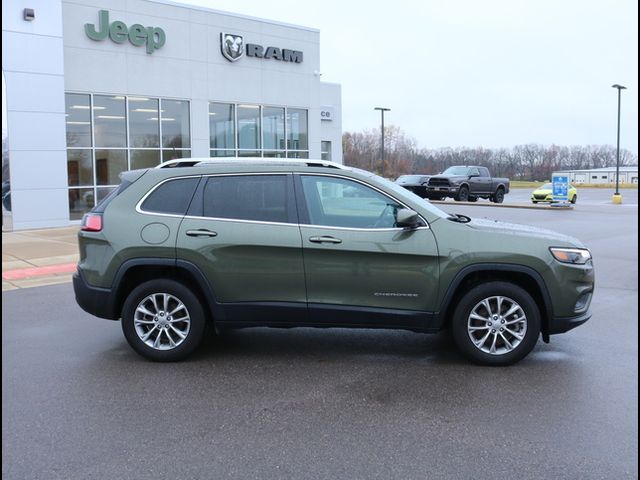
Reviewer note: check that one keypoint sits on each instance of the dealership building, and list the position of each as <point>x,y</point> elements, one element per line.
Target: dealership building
<point>94,88</point>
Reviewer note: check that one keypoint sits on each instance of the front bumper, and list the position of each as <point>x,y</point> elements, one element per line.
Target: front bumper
<point>564,324</point>
<point>96,301</point>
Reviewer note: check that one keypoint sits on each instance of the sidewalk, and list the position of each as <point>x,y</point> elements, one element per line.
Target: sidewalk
<point>32,258</point>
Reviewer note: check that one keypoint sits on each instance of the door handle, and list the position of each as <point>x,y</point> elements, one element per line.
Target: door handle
<point>325,239</point>
<point>203,232</point>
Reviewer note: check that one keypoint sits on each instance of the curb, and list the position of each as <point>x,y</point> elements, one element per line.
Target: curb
<point>22,273</point>
<point>503,205</point>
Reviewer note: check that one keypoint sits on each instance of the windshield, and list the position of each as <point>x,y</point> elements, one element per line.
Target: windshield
<point>456,171</point>
<point>546,186</point>
<point>403,192</point>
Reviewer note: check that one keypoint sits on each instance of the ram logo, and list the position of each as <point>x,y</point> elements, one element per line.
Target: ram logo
<point>232,46</point>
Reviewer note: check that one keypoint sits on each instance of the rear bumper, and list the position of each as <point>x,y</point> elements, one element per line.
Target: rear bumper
<point>564,324</point>
<point>96,301</point>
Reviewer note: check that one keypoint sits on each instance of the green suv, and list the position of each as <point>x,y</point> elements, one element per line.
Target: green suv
<point>285,243</point>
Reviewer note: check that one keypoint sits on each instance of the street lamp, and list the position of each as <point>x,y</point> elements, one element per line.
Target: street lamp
<point>382,110</point>
<point>617,198</point>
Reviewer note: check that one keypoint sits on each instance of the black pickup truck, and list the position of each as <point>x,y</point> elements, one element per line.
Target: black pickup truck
<point>467,184</point>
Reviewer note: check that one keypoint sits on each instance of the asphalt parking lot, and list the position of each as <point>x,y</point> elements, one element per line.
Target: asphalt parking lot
<point>77,403</point>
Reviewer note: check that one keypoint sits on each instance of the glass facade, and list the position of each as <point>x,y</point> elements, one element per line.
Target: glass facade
<point>257,131</point>
<point>109,134</point>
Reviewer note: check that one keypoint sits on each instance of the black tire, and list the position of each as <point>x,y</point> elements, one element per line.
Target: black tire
<point>534,201</point>
<point>463,194</point>
<point>472,199</point>
<point>177,294</point>
<point>498,197</point>
<point>463,326</point>
<point>574,199</point>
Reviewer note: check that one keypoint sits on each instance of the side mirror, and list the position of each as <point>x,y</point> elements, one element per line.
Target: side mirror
<point>406,218</point>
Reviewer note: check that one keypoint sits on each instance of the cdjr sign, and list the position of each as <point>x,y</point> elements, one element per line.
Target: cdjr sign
<point>138,35</point>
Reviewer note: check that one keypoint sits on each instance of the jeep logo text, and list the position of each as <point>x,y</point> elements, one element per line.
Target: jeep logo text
<point>153,37</point>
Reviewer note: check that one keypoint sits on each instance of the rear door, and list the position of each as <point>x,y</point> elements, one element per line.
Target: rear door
<point>355,256</point>
<point>242,232</point>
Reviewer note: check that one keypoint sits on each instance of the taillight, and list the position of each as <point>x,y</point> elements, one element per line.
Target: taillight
<point>91,222</point>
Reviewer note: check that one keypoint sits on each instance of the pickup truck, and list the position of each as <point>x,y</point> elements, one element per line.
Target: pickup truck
<point>467,184</point>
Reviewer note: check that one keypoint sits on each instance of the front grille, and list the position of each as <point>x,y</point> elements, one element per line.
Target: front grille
<point>438,182</point>
<point>540,197</point>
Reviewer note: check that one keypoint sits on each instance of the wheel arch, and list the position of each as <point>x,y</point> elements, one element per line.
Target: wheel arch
<point>136,271</point>
<point>523,276</point>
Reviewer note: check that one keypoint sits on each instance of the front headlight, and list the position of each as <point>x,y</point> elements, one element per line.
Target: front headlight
<point>575,256</point>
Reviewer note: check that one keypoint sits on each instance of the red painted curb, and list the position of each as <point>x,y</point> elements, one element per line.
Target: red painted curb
<point>23,273</point>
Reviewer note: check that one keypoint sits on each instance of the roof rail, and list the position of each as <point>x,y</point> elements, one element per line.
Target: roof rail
<point>191,162</point>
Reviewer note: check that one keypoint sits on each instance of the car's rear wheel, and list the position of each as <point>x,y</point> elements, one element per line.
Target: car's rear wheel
<point>496,323</point>
<point>163,320</point>
<point>498,197</point>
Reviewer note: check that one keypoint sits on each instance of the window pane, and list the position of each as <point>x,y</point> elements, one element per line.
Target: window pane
<point>272,128</point>
<point>175,154</point>
<point>223,153</point>
<point>297,129</point>
<point>298,154</point>
<point>249,153</point>
<point>78,120</point>
<point>144,159</point>
<point>144,122</point>
<point>260,197</point>
<point>79,168</point>
<point>175,123</point>
<point>172,197</point>
<point>109,164</point>
<point>248,126</point>
<point>103,192</point>
<point>274,154</point>
<point>344,203</point>
<point>81,200</point>
<point>109,121</point>
<point>222,129</point>
<point>325,150</point>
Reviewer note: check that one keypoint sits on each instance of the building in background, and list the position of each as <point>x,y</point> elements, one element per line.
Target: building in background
<point>97,88</point>
<point>602,175</point>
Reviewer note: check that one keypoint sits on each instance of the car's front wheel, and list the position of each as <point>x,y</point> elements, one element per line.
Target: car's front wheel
<point>163,320</point>
<point>574,199</point>
<point>496,323</point>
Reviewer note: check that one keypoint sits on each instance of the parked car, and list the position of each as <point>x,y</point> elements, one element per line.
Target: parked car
<point>235,244</point>
<point>544,194</point>
<point>467,184</point>
<point>414,183</point>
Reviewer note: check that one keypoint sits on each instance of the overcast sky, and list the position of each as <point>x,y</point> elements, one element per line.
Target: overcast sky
<point>491,73</point>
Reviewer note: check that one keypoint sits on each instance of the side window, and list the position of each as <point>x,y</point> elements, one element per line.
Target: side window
<point>484,172</point>
<point>337,202</point>
<point>171,197</point>
<point>474,171</point>
<point>247,197</point>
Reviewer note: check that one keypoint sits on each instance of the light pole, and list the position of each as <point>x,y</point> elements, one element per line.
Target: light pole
<point>617,197</point>
<point>382,110</point>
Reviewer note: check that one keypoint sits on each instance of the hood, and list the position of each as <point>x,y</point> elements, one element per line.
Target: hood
<point>549,236</point>
<point>451,178</point>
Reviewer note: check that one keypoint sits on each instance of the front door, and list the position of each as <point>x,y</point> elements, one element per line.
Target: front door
<point>355,256</point>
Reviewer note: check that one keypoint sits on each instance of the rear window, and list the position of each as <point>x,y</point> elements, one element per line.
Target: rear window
<point>172,197</point>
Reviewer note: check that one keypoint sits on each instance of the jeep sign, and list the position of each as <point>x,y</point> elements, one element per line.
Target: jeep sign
<point>153,37</point>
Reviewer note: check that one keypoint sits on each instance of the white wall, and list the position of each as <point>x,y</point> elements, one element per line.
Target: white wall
<point>32,61</point>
